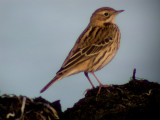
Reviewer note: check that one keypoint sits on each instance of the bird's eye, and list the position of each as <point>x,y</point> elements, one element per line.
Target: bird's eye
<point>106,14</point>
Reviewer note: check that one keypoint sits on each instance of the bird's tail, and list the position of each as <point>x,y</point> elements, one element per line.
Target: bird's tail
<point>56,78</point>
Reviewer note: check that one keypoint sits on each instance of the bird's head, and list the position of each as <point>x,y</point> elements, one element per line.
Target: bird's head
<point>104,15</point>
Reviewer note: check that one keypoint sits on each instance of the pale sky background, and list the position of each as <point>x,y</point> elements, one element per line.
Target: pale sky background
<point>37,35</point>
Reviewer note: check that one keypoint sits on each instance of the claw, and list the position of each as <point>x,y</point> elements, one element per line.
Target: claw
<point>99,90</point>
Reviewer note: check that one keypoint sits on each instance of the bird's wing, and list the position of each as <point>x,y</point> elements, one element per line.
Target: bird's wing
<point>90,43</point>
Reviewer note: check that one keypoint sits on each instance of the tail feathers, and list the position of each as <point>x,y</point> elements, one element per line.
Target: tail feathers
<point>50,83</point>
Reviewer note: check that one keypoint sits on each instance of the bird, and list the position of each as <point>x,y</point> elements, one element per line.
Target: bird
<point>95,47</point>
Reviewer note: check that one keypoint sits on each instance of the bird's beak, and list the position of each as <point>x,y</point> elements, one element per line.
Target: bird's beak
<point>118,11</point>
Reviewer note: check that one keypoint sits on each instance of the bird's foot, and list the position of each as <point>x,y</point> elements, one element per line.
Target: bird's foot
<point>99,90</point>
<point>100,86</point>
<point>87,90</point>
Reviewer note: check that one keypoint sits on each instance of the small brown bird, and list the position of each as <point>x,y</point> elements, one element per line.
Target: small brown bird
<point>95,47</point>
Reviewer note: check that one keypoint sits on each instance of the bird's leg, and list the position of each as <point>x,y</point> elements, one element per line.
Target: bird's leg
<point>97,79</point>
<point>100,84</point>
<point>86,74</point>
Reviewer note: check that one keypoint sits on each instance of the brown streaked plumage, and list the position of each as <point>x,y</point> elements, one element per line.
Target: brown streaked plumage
<point>95,47</point>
